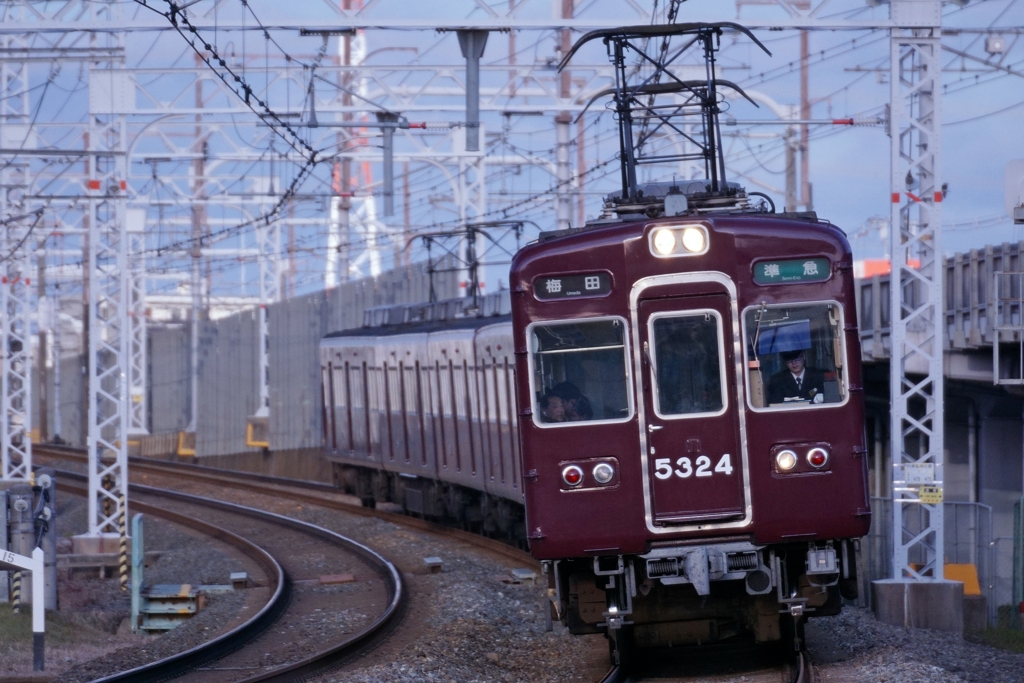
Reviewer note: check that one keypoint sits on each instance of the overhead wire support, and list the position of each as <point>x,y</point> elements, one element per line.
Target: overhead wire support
<point>916,305</point>
<point>108,327</point>
<point>16,293</point>
<point>695,103</point>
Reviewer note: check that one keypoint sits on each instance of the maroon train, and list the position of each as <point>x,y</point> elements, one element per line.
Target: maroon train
<point>679,487</point>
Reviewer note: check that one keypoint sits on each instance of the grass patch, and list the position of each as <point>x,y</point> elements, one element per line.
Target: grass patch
<point>61,629</point>
<point>1000,637</point>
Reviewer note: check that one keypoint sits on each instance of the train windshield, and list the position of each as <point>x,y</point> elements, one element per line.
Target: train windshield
<point>687,364</point>
<point>579,372</point>
<point>795,355</point>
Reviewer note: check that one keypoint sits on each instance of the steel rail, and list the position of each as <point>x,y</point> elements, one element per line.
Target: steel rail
<point>320,662</point>
<point>803,672</point>
<point>271,485</point>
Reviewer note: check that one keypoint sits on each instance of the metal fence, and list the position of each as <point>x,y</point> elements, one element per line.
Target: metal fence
<point>967,536</point>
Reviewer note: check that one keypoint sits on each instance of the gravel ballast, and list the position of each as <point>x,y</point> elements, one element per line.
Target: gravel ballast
<point>468,623</point>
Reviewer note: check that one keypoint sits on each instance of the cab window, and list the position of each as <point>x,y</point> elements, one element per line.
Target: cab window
<point>687,364</point>
<point>579,372</point>
<point>795,355</point>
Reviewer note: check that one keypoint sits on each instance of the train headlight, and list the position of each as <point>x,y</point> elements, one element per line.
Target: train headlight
<point>664,241</point>
<point>679,240</point>
<point>572,475</point>
<point>785,460</point>
<point>817,457</point>
<point>603,472</point>
<point>694,239</point>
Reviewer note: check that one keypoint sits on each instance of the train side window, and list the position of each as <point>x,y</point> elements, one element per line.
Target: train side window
<point>687,364</point>
<point>795,355</point>
<point>579,372</point>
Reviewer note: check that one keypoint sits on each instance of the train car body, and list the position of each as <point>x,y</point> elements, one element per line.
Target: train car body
<point>694,499</point>
<point>701,496</point>
<point>423,415</point>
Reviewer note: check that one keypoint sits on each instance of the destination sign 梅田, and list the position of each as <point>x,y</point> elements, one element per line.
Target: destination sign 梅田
<point>549,287</point>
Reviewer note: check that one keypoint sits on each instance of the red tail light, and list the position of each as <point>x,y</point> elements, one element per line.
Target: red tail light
<point>817,457</point>
<point>572,475</point>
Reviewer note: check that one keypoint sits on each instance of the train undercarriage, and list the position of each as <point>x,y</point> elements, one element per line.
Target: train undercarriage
<point>437,501</point>
<point>696,595</point>
<point>669,597</point>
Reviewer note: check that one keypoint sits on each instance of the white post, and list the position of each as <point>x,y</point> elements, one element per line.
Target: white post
<point>34,564</point>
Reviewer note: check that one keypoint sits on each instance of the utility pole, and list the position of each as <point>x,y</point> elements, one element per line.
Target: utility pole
<point>563,212</point>
<point>806,197</point>
<point>472,180</point>
<point>45,353</point>
<point>196,251</point>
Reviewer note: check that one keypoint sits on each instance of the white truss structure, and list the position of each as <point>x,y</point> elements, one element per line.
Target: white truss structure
<point>135,224</point>
<point>109,296</point>
<point>916,304</point>
<point>16,291</point>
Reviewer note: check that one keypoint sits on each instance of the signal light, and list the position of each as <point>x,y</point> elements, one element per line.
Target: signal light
<point>817,457</point>
<point>603,472</point>
<point>785,460</point>
<point>572,475</point>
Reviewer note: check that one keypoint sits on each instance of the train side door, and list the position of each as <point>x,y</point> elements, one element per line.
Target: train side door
<point>695,453</point>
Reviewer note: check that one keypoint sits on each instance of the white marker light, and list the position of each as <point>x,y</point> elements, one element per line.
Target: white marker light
<point>603,472</point>
<point>785,460</point>
<point>693,239</point>
<point>664,241</point>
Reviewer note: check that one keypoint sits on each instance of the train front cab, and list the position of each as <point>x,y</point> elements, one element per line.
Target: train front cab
<point>730,498</point>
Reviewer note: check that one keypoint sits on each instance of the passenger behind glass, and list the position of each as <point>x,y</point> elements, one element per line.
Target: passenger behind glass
<point>797,382</point>
<point>581,410</point>
<point>577,407</point>
<point>552,408</point>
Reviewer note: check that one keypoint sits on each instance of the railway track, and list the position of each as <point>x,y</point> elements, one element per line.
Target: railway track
<point>714,666</point>
<point>241,655</point>
<point>325,495</point>
<point>320,494</point>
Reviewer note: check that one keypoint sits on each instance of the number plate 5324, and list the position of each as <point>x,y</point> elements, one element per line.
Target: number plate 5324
<point>685,468</point>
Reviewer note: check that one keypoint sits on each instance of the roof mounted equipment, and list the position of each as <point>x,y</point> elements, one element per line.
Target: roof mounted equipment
<point>652,103</point>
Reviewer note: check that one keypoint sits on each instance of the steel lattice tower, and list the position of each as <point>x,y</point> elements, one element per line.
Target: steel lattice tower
<point>916,305</point>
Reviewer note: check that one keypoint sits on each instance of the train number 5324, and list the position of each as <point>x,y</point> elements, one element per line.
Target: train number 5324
<point>685,468</point>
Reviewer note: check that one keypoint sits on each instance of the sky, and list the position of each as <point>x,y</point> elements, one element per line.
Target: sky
<point>982,111</point>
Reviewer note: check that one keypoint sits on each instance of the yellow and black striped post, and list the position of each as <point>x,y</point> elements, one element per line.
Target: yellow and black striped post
<point>107,484</point>
<point>16,592</point>
<point>123,520</point>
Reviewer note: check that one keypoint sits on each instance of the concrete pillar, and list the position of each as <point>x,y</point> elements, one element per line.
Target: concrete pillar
<point>937,605</point>
<point>472,43</point>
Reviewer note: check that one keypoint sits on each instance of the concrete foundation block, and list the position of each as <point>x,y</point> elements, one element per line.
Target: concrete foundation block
<point>975,613</point>
<point>97,545</point>
<point>936,605</point>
